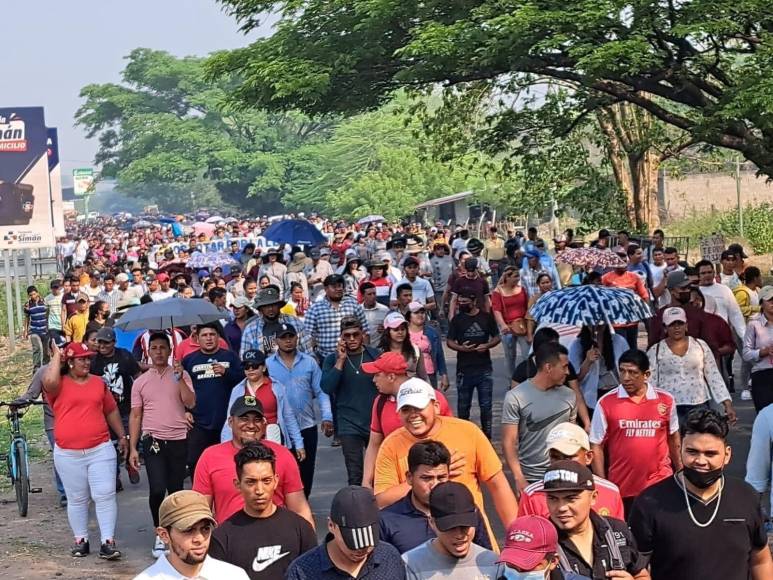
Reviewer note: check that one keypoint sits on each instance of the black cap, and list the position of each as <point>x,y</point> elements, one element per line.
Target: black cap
<point>568,475</point>
<point>254,356</point>
<point>355,512</point>
<point>333,279</point>
<point>410,261</point>
<point>451,505</point>
<point>604,233</point>
<point>105,334</point>
<point>728,254</point>
<point>737,249</point>
<point>286,330</point>
<point>244,405</point>
<point>471,264</point>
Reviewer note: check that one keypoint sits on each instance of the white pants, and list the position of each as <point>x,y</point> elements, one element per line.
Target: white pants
<point>89,474</point>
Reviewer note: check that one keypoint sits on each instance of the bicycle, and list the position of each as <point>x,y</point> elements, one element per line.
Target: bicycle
<point>17,458</point>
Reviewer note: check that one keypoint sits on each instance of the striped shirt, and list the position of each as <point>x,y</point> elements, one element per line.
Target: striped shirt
<point>37,313</point>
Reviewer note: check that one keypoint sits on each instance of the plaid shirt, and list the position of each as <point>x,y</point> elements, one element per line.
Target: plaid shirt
<point>529,279</point>
<point>112,298</point>
<point>323,323</point>
<point>252,336</point>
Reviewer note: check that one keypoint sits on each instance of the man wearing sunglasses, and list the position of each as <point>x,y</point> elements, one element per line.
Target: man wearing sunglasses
<point>352,392</point>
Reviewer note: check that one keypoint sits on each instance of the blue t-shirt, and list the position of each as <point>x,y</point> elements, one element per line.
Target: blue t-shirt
<point>212,391</point>
<point>38,315</point>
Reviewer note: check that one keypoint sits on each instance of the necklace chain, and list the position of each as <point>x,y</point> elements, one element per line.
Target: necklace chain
<point>689,507</point>
<point>355,368</point>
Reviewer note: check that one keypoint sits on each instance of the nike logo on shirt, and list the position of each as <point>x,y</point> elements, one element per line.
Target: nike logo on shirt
<point>533,425</point>
<point>260,565</point>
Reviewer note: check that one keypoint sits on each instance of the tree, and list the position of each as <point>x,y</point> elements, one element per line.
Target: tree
<point>699,67</point>
<point>167,134</point>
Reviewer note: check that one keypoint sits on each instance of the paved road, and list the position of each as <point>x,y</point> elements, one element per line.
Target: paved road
<point>135,534</point>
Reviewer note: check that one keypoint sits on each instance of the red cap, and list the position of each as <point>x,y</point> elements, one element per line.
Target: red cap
<point>162,277</point>
<point>528,540</point>
<point>389,362</point>
<point>77,350</point>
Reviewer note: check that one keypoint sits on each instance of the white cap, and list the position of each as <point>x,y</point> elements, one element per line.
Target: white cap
<point>568,438</point>
<point>415,393</point>
<point>674,314</point>
<point>394,320</point>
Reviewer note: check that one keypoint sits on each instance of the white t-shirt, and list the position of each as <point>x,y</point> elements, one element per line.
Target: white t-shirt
<point>161,295</point>
<point>211,570</point>
<point>422,289</point>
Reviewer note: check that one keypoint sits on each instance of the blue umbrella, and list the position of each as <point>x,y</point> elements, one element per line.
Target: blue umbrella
<point>169,313</point>
<point>590,305</point>
<point>294,232</point>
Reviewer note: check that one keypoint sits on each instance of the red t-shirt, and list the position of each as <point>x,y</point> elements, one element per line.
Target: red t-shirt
<point>265,395</point>
<point>390,418</point>
<point>608,503</point>
<point>635,437</point>
<point>187,346</point>
<point>216,471</point>
<point>511,307</point>
<point>80,410</point>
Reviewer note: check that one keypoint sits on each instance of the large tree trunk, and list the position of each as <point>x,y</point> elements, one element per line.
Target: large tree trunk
<point>634,162</point>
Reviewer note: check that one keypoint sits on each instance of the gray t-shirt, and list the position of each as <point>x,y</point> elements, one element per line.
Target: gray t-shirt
<point>536,412</point>
<point>425,562</point>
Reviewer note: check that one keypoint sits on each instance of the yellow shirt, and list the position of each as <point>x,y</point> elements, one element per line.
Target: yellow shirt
<point>75,327</point>
<point>459,436</point>
<point>494,249</point>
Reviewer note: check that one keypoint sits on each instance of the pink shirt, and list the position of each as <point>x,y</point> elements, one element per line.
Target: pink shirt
<point>420,340</point>
<point>163,412</point>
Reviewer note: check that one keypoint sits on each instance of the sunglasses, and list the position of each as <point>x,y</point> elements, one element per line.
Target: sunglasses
<point>251,366</point>
<point>351,335</point>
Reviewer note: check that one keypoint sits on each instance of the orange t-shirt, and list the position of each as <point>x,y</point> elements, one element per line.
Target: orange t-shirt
<point>458,435</point>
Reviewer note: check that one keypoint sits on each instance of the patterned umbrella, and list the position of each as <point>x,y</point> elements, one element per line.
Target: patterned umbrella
<point>210,260</point>
<point>371,219</point>
<point>590,258</point>
<point>590,305</point>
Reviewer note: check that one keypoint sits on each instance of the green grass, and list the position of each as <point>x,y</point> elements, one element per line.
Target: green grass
<point>41,285</point>
<point>15,374</point>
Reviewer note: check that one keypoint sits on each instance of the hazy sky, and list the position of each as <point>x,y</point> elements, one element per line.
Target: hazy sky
<point>53,48</point>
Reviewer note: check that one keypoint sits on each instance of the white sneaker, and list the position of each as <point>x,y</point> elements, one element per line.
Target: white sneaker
<point>159,548</point>
<point>746,395</point>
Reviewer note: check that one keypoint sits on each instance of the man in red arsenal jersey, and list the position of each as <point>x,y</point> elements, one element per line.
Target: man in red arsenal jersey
<point>636,426</point>
<point>567,441</point>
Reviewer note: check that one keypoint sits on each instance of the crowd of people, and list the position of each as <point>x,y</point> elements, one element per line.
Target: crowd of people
<point>615,450</point>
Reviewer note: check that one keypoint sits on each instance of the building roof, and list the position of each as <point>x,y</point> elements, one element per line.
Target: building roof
<point>443,200</point>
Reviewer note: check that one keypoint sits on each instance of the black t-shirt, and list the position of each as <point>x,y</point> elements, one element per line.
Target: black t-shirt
<point>118,372</point>
<point>679,549</point>
<point>478,329</point>
<point>528,368</point>
<point>632,560</point>
<point>270,328</point>
<point>264,548</point>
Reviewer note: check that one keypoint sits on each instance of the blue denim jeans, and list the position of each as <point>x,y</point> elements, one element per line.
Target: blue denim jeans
<point>466,383</point>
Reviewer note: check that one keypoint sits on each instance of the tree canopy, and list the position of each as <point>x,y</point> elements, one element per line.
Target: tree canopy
<point>700,67</point>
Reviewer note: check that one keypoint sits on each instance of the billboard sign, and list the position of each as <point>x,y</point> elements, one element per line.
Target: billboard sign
<point>55,181</point>
<point>83,181</point>
<point>25,194</point>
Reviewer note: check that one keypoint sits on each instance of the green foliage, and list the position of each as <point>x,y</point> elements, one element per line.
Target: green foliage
<point>702,67</point>
<point>757,226</point>
<point>168,135</point>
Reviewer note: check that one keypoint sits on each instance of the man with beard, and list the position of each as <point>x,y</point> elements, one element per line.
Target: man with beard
<point>118,369</point>
<point>451,554</point>
<point>352,391</point>
<point>323,320</point>
<point>214,372</point>
<point>699,523</point>
<point>589,544</point>
<point>260,332</point>
<point>185,527</point>
<point>352,548</point>
<point>262,539</point>
<point>216,470</point>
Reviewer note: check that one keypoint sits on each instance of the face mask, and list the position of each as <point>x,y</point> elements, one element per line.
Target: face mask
<point>702,479</point>
<point>465,307</point>
<point>511,574</point>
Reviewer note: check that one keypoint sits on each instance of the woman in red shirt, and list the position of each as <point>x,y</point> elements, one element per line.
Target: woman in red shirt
<point>509,302</point>
<point>83,454</point>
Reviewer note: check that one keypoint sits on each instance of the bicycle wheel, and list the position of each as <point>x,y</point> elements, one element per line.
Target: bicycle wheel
<point>21,482</point>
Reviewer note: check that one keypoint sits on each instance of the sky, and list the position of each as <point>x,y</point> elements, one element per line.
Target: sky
<point>61,46</point>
